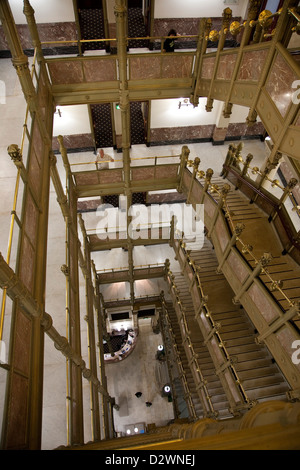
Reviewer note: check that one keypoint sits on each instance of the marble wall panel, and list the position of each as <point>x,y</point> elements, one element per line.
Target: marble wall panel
<point>86,178</point>
<point>169,171</point>
<point>226,66</point>
<point>17,423</point>
<point>109,176</point>
<point>75,141</point>
<point>207,67</point>
<point>286,337</point>
<point>34,174</point>
<point>210,207</point>
<point>279,84</point>
<point>196,192</point>
<point>237,266</point>
<point>43,92</point>
<point>142,173</point>
<point>252,64</point>
<point>66,72</point>
<point>262,303</point>
<point>144,68</point>
<point>100,70</point>
<point>22,343</point>
<point>31,217</point>
<point>27,264</point>
<point>181,134</point>
<point>221,233</point>
<point>176,66</point>
<point>65,31</point>
<point>241,129</point>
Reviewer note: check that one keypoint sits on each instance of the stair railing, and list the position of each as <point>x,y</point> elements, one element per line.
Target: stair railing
<point>211,330</point>
<point>201,383</point>
<point>187,392</point>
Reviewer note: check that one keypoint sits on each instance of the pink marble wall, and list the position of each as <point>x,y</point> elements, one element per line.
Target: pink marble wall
<point>142,173</point>
<point>98,177</point>
<point>75,141</point>
<point>252,64</point>
<point>142,68</point>
<point>226,66</point>
<point>165,134</point>
<point>66,72</point>
<point>99,70</point>
<point>166,171</point>
<point>110,176</point>
<point>242,129</point>
<point>176,66</point>
<point>279,84</point>
<point>262,303</point>
<point>221,233</point>
<point>47,32</point>
<point>207,67</point>
<point>237,267</point>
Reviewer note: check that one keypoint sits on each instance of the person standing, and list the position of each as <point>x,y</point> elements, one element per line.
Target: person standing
<point>102,160</point>
<point>169,44</point>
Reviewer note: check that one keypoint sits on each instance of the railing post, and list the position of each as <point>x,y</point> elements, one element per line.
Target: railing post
<point>237,231</point>
<point>196,164</point>
<point>208,177</point>
<point>227,15</point>
<point>244,170</point>
<point>185,151</point>
<point>291,184</point>
<point>264,260</point>
<point>225,190</point>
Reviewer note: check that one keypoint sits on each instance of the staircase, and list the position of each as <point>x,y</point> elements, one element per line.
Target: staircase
<point>257,372</point>
<point>218,397</point>
<point>282,267</point>
<point>184,361</point>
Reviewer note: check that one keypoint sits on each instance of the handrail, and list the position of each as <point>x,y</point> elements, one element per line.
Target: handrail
<point>155,157</point>
<point>275,285</point>
<point>186,337</point>
<point>183,378</point>
<point>213,325</point>
<point>125,268</point>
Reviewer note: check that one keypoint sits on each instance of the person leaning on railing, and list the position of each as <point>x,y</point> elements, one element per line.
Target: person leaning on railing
<point>169,44</point>
<point>102,160</point>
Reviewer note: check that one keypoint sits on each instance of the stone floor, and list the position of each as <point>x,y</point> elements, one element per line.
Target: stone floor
<point>140,372</point>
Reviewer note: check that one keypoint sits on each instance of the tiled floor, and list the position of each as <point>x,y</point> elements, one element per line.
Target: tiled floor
<point>140,372</point>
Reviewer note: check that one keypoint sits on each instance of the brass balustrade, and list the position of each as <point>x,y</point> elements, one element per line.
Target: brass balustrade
<point>213,189</point>
<point>182,374</point>
<point>205,398</point>
<point>234,160</point>
<point>214,327</point>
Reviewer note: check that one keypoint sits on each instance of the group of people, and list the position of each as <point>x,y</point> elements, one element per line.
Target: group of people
<point>139,394</point>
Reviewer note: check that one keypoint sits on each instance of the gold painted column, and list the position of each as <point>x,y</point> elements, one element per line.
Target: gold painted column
<point>75,393</point>
<point>87,268</point>
<point>23,410</point>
